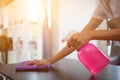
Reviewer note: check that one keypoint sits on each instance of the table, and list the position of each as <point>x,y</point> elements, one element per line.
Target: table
<point>65,69</point>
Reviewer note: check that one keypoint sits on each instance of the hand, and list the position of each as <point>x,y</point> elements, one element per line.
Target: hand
<point>77,40</point>
<point>38,62</point>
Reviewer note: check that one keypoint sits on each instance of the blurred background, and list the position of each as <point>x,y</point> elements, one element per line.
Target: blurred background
<point>36,27</point>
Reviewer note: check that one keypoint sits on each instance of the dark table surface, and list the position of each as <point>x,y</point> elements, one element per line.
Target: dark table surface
<point>65,69</point>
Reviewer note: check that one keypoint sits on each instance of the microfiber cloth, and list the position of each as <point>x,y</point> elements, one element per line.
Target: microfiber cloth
<point>24,67</point>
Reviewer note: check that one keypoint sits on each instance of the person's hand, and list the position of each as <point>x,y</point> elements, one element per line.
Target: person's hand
<point>77,40</point>
<point>38,62</point>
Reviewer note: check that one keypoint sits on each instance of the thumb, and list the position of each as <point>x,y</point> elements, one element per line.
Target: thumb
<point>68,35</point>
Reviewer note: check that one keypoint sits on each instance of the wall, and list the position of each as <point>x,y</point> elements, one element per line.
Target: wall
<point>74,15</point>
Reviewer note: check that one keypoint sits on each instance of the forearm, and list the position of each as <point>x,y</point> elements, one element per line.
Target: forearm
<point>93,24</point>
<point>61,54</point>
<point>113,34</point>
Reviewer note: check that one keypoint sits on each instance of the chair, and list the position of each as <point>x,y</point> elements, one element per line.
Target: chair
<point>4,47</point>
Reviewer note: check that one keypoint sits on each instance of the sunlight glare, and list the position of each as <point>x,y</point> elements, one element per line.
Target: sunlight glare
<point>33,11</point>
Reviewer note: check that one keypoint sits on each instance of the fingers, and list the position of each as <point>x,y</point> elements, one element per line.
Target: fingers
<point>68,35</point>
<point>32,62</point>
<point>77,41</point>
<point>39,63</point>
<point>78,47</point>
<point>77,44</point>
<point>73,41</point>
<point>69,43</point>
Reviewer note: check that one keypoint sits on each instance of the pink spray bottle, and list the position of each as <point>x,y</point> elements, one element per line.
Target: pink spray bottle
<point>92,58</point>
